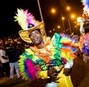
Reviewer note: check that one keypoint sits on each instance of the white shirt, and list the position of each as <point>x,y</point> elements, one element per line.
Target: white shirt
<point>3,53</point>
<point>69,64</point>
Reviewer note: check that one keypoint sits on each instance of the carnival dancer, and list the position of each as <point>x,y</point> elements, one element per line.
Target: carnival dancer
<point>58,50</point>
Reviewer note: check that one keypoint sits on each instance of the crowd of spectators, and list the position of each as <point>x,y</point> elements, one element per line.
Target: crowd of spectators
<point>10,49</point>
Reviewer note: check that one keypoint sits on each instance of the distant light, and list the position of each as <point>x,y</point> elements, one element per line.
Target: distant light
<point>68,8</point>
<point>79,19</point>
<point>67,30</point>
<point>75,22</point>
<point>50,31</point>
<point>53,10</point>
<point>58,26</point>
<point>73,16</point>
<point>75,26</point>
<point>78,24</point>
<point>53,29</point>
<point>63,18</point>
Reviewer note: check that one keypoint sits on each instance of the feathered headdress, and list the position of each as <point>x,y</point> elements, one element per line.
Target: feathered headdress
<point>28,23</point>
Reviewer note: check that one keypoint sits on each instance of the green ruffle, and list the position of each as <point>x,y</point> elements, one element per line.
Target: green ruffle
<point>56,41</point>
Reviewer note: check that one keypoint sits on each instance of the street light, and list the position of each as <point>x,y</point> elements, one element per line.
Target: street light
<point>75,22</point>
<point>58,26</point>
<point>63,18</point>
<point>68,8</point>
<point>73,16</point>
<point>53,10</point>
<point>69,25</point>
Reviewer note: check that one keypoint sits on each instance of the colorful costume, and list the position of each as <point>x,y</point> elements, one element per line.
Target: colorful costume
<point>84,43</point>
<point>85,17</point>
<point>84,25</point>
<point>57,50</point>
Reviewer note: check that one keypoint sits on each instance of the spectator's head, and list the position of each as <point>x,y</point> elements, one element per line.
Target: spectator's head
<point>1,42</point>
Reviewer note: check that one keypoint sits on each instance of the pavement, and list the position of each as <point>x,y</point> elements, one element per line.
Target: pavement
<point>15,82</point>
<point>18,82</point>
<point>80,71</point>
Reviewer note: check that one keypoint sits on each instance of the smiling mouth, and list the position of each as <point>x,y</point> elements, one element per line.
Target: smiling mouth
<point>36,39</point>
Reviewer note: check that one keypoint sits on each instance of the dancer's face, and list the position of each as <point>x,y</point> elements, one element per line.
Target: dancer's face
<point>36,37</point>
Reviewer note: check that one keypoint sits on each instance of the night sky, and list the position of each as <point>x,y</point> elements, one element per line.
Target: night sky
<point>9,8</point>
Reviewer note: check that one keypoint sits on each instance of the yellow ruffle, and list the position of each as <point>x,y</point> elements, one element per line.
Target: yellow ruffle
<point>63,81</point>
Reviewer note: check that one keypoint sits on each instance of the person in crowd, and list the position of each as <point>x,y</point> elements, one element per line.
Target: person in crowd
<point>78,70</point>
<point>4,59</point>
<point>85,57</point>
<point>13,56</point>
